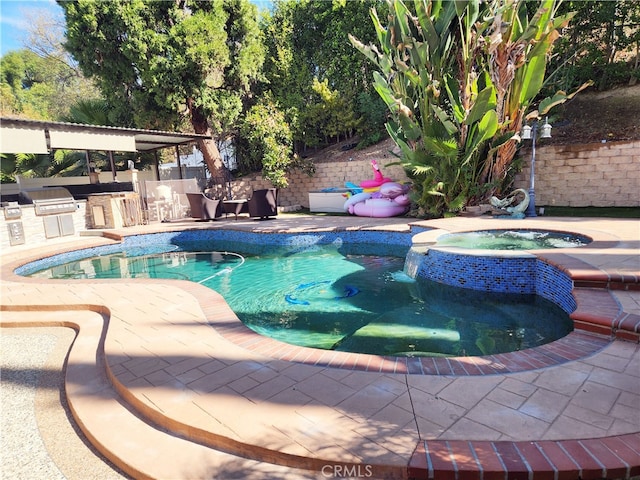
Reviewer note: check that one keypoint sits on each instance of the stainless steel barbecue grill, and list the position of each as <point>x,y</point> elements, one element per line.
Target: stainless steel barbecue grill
<point>49,200</point>
<point>56,205</point>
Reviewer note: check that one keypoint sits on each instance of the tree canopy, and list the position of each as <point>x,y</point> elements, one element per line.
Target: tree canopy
<point>602,44</point>
<point>39,87</point>
<point>312,73</point>
<point>41,81</point>
<point>160,64</point>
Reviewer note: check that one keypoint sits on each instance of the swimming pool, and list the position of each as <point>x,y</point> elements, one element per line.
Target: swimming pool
<point>329,292</point>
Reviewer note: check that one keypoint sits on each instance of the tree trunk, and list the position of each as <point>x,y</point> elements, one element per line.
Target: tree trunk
<point>208,147</point>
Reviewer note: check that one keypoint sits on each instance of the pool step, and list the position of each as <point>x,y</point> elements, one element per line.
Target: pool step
<point>132,444</point>
<point>598,312</point>
<point>607,281</point>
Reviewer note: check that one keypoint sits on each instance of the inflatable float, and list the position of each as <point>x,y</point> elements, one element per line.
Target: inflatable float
<point>378,178</point>
<point>378,197</point>
<point>378,207</point>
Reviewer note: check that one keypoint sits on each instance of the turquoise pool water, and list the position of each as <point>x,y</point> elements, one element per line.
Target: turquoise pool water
<point>325,297</point>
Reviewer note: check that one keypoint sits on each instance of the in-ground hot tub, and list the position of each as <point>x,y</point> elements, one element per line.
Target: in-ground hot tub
<point>510,239</point>
<point>476,260</point>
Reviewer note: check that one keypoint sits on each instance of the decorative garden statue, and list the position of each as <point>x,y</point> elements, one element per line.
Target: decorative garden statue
<point>503,207</point>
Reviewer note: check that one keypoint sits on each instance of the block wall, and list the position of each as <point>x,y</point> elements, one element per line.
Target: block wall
<point>329,174</point>
<point>598,175</point>
<point>591,175</point>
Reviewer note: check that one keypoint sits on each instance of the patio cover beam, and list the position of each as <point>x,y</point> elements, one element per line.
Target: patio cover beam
<point>18,135</point>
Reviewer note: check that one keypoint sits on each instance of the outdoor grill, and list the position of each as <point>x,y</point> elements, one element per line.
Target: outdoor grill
<point>48,201</point>
<point>56,205</point>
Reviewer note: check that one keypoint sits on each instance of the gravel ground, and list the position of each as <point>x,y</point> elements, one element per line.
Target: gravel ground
<point>38,436</point>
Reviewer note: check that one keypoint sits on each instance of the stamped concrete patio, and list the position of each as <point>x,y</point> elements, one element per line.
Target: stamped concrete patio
<point>166,382</point>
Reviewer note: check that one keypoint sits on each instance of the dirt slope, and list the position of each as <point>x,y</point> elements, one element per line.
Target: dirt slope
<point>594,116</point>
<point>590,117</point>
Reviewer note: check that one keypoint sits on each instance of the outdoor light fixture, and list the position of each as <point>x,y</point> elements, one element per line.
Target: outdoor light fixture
<point>530,133</point>
<point>546,129</point>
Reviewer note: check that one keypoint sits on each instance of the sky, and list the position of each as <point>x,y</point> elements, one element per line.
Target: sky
<point>13,20</point>
<point>14,13</point>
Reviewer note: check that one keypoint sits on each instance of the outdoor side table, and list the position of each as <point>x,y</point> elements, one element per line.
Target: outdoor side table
<point>234,206</point>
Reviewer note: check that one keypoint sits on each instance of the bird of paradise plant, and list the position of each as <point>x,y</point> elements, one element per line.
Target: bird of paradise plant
<point>457,77</point>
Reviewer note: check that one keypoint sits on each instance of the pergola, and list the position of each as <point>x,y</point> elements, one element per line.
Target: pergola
<point>40,137</point>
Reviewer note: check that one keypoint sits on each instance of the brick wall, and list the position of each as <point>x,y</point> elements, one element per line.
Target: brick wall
<point>596,174</point>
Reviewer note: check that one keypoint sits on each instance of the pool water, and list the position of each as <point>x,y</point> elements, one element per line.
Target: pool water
<point>325,297</point>
<point>512,240</point>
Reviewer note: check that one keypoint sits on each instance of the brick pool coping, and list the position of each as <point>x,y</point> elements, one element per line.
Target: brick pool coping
<point>597,458</point>
<point>608,457</point>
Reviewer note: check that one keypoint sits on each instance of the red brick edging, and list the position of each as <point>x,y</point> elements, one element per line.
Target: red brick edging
<point>609,457</point>
<point>597,309</point>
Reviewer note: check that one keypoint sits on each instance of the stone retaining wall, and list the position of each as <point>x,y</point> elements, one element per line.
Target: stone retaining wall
<point>329,174</point>
<point>580,175</point>
<point>598,175</point>
<point>589,175</point>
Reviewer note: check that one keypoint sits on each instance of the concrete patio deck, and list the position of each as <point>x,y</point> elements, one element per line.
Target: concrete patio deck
<point>162,394</point>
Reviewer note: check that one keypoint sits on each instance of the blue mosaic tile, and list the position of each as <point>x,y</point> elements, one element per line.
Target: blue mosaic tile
<point>523,275</point>
<point>555,285</point>
<point>509,275</point>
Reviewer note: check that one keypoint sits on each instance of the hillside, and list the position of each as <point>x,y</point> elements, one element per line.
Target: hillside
<point>588,118</point>
<point>594,116</point>
<point>341,152</point>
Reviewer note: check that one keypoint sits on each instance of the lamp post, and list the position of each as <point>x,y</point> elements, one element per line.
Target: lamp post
<point>530,133</point>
